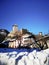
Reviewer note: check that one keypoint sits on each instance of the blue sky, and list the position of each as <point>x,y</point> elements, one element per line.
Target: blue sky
<point>30,14</point>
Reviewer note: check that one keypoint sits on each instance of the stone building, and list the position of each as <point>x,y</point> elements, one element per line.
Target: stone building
<point>24,38</point>
<point>18,37</point>
<point>23,31</point>
<point>42,40</point>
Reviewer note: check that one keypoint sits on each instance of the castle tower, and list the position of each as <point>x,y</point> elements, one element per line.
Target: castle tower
<point>15,28</point>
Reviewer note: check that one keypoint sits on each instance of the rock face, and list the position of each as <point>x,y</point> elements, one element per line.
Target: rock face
<point>3,34</point>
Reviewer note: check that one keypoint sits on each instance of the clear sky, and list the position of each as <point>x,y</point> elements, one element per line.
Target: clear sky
<point>30,14</point>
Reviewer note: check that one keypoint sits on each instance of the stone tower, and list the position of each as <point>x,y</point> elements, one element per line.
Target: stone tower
<point>40,33</point>
<point>15,28</point>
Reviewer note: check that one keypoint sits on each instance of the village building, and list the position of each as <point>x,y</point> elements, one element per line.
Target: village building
<point>42,40</point>
<point>14,43</point>
<point>23,38</point>
<point>26,41</point>
<point>18,38</point>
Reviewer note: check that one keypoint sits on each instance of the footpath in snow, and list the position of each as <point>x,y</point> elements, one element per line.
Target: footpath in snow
<point>24,57</point>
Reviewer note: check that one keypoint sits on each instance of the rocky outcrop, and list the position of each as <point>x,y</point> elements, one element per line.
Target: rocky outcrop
<point>3,34</point>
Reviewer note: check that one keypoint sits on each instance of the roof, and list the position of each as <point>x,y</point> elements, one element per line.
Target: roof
<point>26,35</point>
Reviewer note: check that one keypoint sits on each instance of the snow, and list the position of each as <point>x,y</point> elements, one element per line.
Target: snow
<point>24,56</point>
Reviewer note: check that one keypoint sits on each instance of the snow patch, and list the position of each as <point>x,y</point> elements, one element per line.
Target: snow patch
<point>24,57</point>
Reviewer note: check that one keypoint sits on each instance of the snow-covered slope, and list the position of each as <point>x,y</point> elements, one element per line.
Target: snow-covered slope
<point>24,57</point>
